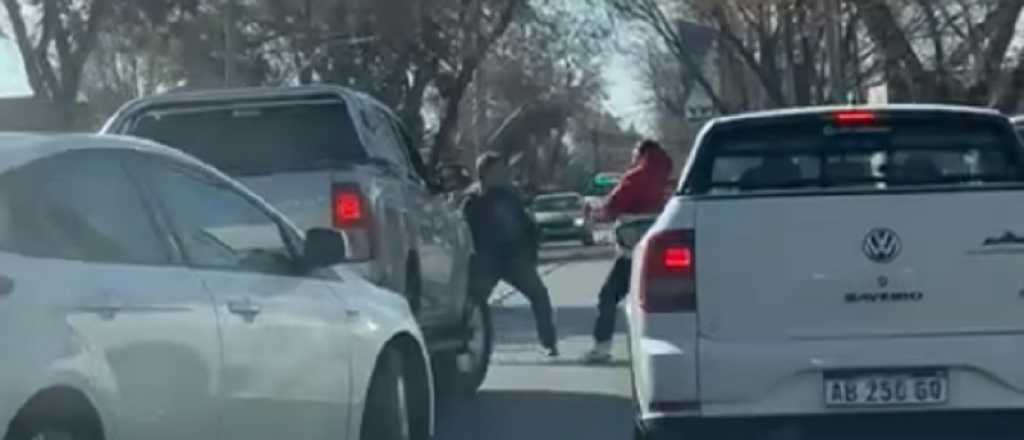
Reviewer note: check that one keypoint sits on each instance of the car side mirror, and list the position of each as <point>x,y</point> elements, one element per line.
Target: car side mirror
<point>323,248</point>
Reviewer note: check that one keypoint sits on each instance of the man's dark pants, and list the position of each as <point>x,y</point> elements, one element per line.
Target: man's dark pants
<point>520,272</point>
<point>615,287</point>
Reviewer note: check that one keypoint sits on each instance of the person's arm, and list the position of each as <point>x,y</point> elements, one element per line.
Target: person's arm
<point>620,197</point>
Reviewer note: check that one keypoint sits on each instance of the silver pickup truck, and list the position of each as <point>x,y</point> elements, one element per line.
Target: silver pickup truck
<point>328,156</point>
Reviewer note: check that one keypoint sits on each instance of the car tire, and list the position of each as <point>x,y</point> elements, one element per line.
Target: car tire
<point>461,372</point>
<point>387,414</point>
<point>53,429</point>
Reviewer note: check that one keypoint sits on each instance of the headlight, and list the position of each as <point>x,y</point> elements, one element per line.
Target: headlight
<point>578,221</point>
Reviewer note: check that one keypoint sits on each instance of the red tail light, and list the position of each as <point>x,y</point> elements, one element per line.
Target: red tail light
<point>351,214</point>
<point>668,282</point>
<point>348,207</point>
<point>678,258</point>
<point>854,117</point>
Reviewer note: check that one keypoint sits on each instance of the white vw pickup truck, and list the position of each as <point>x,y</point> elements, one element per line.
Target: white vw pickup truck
<point>851,271</point>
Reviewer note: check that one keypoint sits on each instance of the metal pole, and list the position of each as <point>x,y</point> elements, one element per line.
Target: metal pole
<point>835,70</point>
<point>229,43</point>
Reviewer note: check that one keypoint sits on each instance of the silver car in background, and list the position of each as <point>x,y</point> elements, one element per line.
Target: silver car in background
<point>560,216</point>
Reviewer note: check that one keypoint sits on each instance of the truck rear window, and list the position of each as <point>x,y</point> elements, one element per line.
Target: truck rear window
<point>891,154</point>
<point>255,140</point>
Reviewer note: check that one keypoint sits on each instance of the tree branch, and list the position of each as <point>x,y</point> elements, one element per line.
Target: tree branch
<point>650,13</point>
<point>896,49</point>
<point>768,80</point>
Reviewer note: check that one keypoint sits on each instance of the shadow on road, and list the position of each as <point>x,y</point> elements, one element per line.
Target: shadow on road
<point>535,415</point>
<point>514,325</point>
<point>558,254</point>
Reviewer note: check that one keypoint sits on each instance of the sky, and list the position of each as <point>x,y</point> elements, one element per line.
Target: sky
<point>12,73</point>
<point>624,96</point>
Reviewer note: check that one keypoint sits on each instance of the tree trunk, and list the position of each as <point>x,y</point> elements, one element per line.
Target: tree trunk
<point>456,90</point>
<point>445,137</point>
<point>903,67</point>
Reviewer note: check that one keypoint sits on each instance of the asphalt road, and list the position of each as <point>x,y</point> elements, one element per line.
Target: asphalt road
<point>527,396</point>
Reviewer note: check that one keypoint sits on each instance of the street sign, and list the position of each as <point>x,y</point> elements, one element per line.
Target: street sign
<point>606,179</point>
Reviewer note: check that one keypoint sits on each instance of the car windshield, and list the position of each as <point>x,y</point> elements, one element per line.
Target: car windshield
<point>511,219</point>
<point>557,203</point>
<point>258,139</point>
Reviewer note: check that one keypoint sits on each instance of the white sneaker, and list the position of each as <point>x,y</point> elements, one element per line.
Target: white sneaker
<point>600,354</point>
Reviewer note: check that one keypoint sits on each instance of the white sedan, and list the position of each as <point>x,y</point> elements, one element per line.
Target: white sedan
<point>144,294</point>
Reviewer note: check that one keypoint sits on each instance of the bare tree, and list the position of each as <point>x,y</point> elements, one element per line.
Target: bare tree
<point>665,25</point>
<point>54,50</point>
<point>770,53</point>
<point>480,23</point>
<point>948,51</point>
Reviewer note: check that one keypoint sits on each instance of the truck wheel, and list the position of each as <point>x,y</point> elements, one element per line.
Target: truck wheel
<point>53,429</point>
<point>58,414</point>
<point>462,372</point>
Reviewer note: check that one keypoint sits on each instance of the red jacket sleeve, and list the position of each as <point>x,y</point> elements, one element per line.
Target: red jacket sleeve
<point>623,195</point>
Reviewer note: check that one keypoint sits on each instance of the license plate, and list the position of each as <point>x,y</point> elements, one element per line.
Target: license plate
<point>886,388</point>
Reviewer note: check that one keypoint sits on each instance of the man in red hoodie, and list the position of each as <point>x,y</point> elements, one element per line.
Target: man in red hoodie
<point>641,191</point>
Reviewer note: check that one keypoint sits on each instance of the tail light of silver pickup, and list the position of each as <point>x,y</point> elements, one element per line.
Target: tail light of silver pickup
<point>351,214</point>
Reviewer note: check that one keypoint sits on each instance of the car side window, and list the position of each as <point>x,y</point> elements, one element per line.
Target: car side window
<point>79,206</point>
<point>220,228</point>
<point>383,145</point>
<point>414,162</point>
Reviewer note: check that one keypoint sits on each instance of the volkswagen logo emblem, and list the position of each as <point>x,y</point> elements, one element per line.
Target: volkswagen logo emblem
<point>882,245</point>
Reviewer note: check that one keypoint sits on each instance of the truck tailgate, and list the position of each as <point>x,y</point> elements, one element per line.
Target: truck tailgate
<point>793,289</point>
<point>861,266</point>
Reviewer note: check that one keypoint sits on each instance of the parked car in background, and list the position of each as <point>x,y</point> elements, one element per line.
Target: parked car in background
<point>560,216</point>
<point>146,295</point>
<point>330,157</point>
<point>824,265</point>
<point>1018,124</point>
<point>593,199</point>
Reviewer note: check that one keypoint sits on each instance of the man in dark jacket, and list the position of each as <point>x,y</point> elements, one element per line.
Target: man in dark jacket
<point>641,191</point>
<point>507,243</point>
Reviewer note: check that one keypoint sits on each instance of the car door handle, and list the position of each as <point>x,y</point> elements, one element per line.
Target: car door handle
<point>104,311</point>
<point>105,305</point>
<point>244,308</point>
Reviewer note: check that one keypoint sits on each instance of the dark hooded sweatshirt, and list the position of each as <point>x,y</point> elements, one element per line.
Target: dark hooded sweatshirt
<point>501,226</point>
